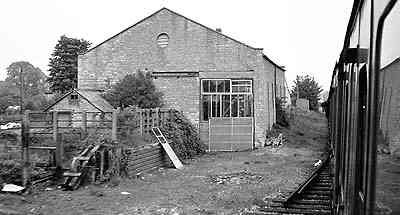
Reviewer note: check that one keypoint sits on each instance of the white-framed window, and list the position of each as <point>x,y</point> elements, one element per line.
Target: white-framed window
<point>226,98</point>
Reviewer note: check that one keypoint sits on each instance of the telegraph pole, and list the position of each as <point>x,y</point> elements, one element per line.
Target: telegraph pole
<point>21,91</point>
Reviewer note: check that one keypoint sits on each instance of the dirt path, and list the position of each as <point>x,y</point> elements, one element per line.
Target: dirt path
<point>216,183</point>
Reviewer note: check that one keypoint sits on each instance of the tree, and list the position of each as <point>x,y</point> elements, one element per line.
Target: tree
<point>33,82</point>
<point>64,63</point>
<point>33,79</point>
<point>8,96</point>
<point>135,90</point>
<point>308,88</point>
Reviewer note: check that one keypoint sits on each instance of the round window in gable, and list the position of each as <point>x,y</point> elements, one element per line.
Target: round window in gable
<point>162,40</point>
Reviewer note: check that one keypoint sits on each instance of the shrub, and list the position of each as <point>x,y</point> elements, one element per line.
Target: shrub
<point>184,136</point>
<point>135,90</point>
<point>281,115</point>
<point>10,171</point>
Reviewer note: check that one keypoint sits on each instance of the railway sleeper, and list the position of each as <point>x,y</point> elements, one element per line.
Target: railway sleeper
<point>315,197</point>
<point>321,184</point>
<point>325,188</point>
<point>318,192</point>
<point>311,202</point>
<point>296,211</point>
<point>300,206</point>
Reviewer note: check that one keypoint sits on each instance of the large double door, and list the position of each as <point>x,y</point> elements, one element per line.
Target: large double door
<point>231,134</point>
<point>227,112</point>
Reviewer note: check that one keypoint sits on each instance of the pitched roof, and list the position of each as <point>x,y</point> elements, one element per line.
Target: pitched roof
<point>92,97</point>
<point>177,14</point>
<point>273,63</point>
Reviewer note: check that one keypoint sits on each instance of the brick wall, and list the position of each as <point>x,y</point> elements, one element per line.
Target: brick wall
<point>191,48</point>
<point>390,105</point>
<point>181,94</point>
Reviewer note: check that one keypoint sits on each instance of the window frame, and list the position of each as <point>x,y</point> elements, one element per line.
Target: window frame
<point>73,101</point>
<point>247,95</point>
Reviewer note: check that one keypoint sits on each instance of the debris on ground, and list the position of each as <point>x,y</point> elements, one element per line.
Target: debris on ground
<point>319,162</point>
<point>12,188</point>
<point>243,177</point>
<point>276,141</point>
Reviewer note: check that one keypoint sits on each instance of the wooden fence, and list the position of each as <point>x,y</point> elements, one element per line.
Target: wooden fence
<point>143,120</point>
<point>55,125</point>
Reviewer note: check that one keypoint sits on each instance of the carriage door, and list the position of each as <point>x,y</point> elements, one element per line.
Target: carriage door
<point>361,155</point>
<point>227,106</point>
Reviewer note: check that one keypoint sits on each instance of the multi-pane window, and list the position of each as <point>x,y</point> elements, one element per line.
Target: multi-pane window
<point>226,98</point>
<point>73,99</point>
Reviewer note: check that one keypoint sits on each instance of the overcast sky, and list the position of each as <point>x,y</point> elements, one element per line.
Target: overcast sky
<point>304,36</point>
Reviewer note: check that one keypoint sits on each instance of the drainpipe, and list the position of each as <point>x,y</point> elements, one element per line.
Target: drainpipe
<point>275,82</point>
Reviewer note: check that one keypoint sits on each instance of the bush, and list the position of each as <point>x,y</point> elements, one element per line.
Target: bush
<point>184,136</point>
<point>135,90</point>
<point>281,115</point>
<point>11,171</point>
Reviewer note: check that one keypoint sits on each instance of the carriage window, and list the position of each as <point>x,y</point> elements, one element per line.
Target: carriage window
<point>226,98</point>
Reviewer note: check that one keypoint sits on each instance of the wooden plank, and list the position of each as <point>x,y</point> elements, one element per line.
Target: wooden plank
<point>72,174</point>
<point>84,122</point>
<point>144,159</point>
<point>114,125</point>
<point>146,162</point>
<point>147,166</point>
<point>145,151</point>
<point>42,147</point>
<point>171,154</point>
<point>139,157</point>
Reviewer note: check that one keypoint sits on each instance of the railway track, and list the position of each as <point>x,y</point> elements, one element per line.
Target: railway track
<point>314,196</point>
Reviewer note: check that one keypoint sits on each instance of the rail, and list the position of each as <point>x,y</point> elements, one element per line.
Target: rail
<point>300,189</point>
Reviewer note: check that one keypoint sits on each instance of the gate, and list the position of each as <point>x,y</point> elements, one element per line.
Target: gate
<point>230,134</point>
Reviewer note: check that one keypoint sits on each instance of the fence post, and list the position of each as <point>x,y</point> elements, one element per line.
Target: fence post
<point>84,122</point>
<point>59,154</point>
<point>57,142</point>
<point>114,125</point>
<point>157,118</point>
<point>55,126</point>
<point>25,149</point>
<point>141,122</point>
